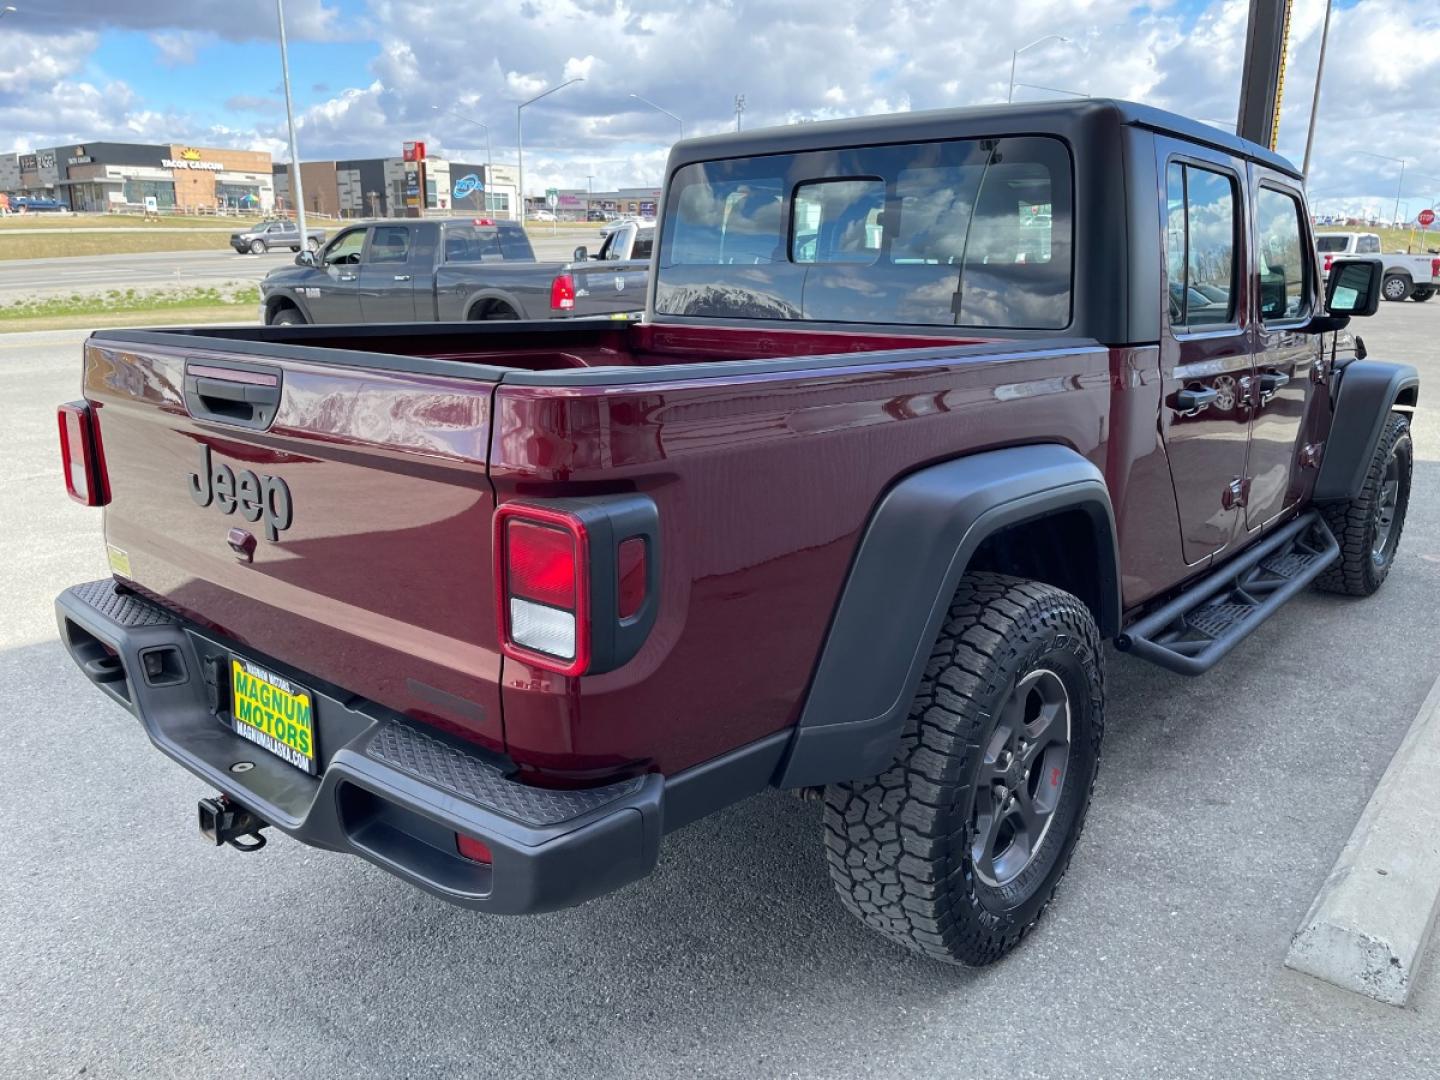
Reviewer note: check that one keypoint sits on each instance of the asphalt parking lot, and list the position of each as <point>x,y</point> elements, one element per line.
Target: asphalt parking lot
<point>128,949</point>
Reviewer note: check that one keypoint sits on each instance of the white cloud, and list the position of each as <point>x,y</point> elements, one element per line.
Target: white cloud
<point>811,59</point>
<point>177,48</point>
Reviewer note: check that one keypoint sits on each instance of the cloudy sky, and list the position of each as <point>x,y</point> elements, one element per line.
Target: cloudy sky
<point>368,74</point>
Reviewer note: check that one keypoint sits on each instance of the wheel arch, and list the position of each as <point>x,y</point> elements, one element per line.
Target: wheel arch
<point>281,299</point>
<point>484,296</point>
<point>1369,390</point>
<point>930,528</point>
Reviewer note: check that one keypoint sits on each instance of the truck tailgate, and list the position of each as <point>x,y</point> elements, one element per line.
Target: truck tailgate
<point>336,519</point>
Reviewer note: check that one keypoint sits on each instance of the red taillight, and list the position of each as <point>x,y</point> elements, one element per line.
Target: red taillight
<point>1328,260</point>
<point>632,571</point>
<point>80,455</point>
<point>482,221</point>
<point>472,849</point>
<point>562,293</point>
<point>542,588</point>
<point>1435,268</point>
<point>542,564</point>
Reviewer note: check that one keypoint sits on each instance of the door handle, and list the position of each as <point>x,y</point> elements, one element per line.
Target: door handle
<point>1192,400</point>
<point>348,277</point>
<point>402,277</point>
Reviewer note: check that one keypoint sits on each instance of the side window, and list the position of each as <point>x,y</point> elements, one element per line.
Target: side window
<point>1369,245</point>
<point>389,244</point>
<point>644,244</point>
<point>1284,292</point>
<point>1200,246</point>
<point>346,248</point>
<point>471,243</point>
<point>837,221</point>
<point>515,245</point>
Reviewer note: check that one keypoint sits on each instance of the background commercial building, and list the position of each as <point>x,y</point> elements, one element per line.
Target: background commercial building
<point>116,176</point>
<point>394,187</point>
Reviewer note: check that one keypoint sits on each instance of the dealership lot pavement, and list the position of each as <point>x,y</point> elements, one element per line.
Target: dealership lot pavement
<point>22,279</point>
<point>127,949</point>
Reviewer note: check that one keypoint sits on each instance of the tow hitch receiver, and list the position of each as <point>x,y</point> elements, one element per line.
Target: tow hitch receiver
<point>223,821</point>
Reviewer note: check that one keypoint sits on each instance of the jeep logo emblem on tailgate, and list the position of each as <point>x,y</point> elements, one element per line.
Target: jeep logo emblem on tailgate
<point>254,495</point>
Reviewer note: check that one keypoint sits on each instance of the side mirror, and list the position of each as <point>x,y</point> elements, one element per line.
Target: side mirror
<point>1354,286</point>
<point>305,258</point>
<point>580,254</point>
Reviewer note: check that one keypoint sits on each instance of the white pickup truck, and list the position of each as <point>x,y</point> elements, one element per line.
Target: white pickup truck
<point>1412,277</point>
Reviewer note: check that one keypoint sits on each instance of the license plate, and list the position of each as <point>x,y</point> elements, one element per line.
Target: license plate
<point>273,713</point>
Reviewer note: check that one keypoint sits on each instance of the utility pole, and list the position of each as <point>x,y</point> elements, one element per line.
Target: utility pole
<point>1262,78</point>
<point>297,186</point>
<point>739,109</point>
<point>1315,100</point>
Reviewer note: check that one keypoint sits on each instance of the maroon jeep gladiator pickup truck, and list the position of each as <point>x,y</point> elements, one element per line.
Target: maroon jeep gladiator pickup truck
<point>923,410</point>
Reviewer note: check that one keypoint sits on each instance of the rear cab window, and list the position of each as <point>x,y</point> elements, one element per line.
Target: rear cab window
<point>1200,248</point>
<point>477,243</point>
<point>388,244</point>
<point>965,232</point>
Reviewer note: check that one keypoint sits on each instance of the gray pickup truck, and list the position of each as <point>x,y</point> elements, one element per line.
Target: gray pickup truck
<point>448,271</point>
<point>273,233</point>
<point>451,270</point>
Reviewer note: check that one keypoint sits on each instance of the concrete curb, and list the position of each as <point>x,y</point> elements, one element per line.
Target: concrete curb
<point>1370,922</point>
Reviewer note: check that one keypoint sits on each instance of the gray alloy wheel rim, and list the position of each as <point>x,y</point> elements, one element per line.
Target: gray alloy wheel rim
<point>1022,777</point>
<point>1394,288</point>
<point>1385,508</point>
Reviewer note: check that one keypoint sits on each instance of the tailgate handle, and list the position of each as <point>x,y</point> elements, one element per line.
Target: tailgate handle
<point>244,397</point>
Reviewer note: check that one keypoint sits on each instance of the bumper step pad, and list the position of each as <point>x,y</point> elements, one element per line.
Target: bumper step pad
<point>1194,631</point>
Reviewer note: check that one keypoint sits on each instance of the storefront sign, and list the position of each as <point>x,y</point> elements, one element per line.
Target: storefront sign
<point>183,163</point>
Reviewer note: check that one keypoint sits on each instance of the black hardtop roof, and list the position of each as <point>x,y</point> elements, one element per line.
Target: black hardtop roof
<point>1057,117</point>
<point>468,219</point>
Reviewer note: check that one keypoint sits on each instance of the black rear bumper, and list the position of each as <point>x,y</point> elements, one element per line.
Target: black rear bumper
<point>390,791</point>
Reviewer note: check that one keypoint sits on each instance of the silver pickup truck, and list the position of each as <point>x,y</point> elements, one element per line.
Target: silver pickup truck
<point>1412,277</point>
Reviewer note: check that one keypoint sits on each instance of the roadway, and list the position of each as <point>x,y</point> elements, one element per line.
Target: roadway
<point>129,949</point>
<point>22,279</point>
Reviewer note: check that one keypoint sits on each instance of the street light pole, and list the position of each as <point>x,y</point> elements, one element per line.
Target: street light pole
<point>489,159</point>
<point>1026,48</point>
<point>298,184</point>
<point>1315,100</point>
<point>739,109</point>
<point>520,135</point>
<point>661,108</point>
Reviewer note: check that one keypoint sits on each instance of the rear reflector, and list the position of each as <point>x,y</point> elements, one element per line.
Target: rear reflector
<point>562,293</point>
<point>472,849</point>
<point>1435,268</point>
<point>542,587</point>
<point>80,455</point>
<point>632,577</point>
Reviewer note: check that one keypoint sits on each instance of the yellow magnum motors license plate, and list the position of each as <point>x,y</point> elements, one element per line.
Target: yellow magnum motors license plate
<point>273,713</point>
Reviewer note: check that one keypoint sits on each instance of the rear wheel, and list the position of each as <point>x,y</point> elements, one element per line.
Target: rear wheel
<point>955,850</point>
<point>1368,527</point>
<point>257,247</point>
<point>1395,287</point>
<point>491,311</point>
<point>1422,294</point>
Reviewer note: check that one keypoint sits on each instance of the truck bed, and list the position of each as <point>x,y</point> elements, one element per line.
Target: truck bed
<point>763,450</point>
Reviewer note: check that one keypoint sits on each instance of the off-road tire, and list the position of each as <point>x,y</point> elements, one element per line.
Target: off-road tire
<point>1395,287</point>
<point>899,844</point>
<point>1361,569</point>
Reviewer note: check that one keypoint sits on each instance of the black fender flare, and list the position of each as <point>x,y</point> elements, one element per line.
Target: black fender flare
<point>919,541</point>
<point>286,294</point>
<point>1368,391</point>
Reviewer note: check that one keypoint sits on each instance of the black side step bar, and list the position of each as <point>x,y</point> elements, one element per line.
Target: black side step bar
<point>1190,634</point>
